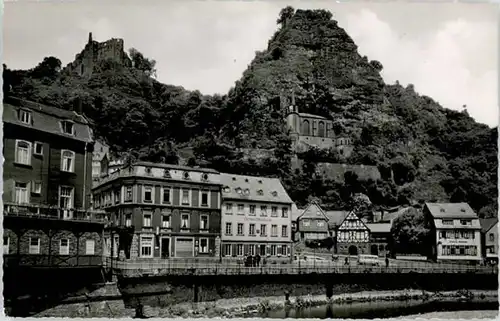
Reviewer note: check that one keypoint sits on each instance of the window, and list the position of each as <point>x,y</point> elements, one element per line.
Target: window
<point>38,148</point>
<point>263,211</point>
<point>321,224</point>
<point>63,247</point>
<point>146,219</point>
<point>492,237</point>
<point>203,247</point>
<point>252,209</point>
<point>251,229</point>
<point>239,249</point>
<point>284,212</point>
<point>284,231</point>
<point>67,127</point>
<point>204,198</point>
<point>166,195</point>
<point>273,249</point>
<point>21,191</point>
<point>184,221</point>
<point>165,220</point>
<point>89,247</point>
<point>274,211</point>
<point>466,222</point>
<point>226,249</point>
<point>241,209</point>
<point>204,222</point>
<point>6,243</point>
<point>65,197</point>
<point>229,208</point>
<point>24,116</point>
<point>274,230</point>
<point>147,246</point>
<point>128,220</point>
<point>307,223</point>
<point>23,152</point>
<point>117,196</point>
<point>67,161</point>
<point>147,196</point>
<point>128,193</point>
<point>185,197</point>
<point>284,250</point>
<point>229,228</point>
<point>34,245</point>
<point>447,222</point>
<point>240,228</point>
<point>263,230</point>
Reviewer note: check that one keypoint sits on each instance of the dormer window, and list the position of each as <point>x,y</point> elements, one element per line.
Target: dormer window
<point>24,116</point>
<point>227,190</point>
<point>204,177</point>
<point>67,127</point>
<point>274,193</point>
<point>166,173</point>
<point>247,191</point>
<point>185,175</point>
<point>260,181</point>
<point>238,190</point>
<point>148,170</point>
<point>441,210</point>
<point>260,192</point>
<point>234,178</point>
<point>246,180</point>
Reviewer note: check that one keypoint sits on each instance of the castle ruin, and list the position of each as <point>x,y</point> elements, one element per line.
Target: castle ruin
<point>94,52</point>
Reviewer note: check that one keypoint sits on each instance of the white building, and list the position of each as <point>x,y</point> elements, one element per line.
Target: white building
<point>457,232</point>
<point>256,216</point>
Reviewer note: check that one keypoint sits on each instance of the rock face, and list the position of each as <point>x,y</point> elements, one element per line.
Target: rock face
<point>313,58</point>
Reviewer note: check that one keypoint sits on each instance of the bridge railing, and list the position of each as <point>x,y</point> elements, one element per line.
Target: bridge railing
<point>181,266</point>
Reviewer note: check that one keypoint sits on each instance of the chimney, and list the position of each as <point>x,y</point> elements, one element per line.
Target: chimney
<point>90,37</point>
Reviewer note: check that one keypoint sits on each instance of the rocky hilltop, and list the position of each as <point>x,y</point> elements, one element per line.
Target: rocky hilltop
<point>421,150</point>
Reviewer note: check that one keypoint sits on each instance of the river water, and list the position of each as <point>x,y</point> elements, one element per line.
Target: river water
<point>382,309</point>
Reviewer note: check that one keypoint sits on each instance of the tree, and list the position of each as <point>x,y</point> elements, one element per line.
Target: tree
<point>142,63</point>
<point>285,14</point>
<point>411,233</point>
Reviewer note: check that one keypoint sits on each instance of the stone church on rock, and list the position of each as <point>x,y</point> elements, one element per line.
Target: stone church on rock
<point>308,130</point>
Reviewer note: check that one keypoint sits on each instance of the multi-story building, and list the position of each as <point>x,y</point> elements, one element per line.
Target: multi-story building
<point>256,216</point>
<point>352,236</point>
<point>489,238</point>
<point>174,211</point>
<point>47,184</point>
<point>312,223</point>
<point>456,232</point>
<point>380,238</point>
<point>100,151</point>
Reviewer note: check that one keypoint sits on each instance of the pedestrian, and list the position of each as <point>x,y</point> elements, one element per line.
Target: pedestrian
<point>258,259</point>
<point>386,262</point>
<point>346,261</point>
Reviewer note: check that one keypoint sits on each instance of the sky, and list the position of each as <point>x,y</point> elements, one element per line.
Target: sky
<point>448,51</point>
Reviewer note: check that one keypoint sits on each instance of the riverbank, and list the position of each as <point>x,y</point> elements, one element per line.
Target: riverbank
<point>241,307</point>
<point>455,315</point>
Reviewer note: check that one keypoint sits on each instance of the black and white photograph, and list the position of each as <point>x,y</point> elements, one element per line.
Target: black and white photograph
<point>250,159</point>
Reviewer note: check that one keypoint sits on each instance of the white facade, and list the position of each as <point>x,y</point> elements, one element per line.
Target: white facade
<point>255,228</point>
<point>458,239</point>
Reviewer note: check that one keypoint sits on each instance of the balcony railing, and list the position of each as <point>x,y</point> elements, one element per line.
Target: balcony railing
<point>55,213</point>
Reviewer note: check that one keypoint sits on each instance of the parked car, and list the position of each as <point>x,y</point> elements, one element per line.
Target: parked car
<point>366,259</point>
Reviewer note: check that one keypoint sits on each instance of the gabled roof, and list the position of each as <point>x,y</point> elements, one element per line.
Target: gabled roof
<point>100,150</point>
<point>47,119</point>
<point>313,210</point>
<point>253,188</point>
<point>353,213</point>
<point>450,210</point>
<point>335,218</point>
<point>487,223</point>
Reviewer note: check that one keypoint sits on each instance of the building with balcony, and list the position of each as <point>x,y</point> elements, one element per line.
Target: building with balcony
<point>47,186</point>
<point>47,179</point>
<point>172,211</point>
<point>256,216</point>
<point>456,232</point>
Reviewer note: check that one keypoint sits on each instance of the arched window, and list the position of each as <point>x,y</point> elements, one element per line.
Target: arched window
<point>321,129</point>
<point>306,130</point>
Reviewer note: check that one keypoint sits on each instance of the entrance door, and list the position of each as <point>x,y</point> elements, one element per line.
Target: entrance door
<point>374,250</point>
<point>353,250</point>
<point>262,250</point>
<point>165,248</point>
